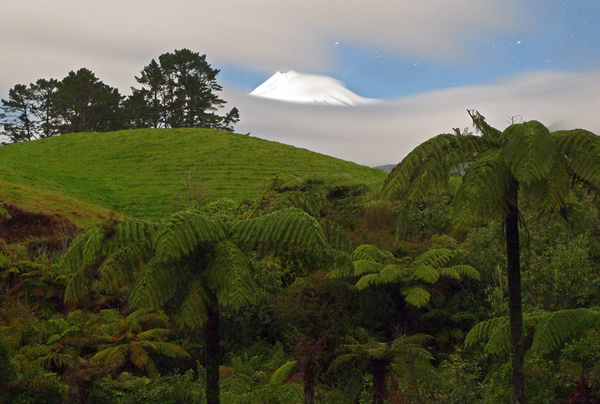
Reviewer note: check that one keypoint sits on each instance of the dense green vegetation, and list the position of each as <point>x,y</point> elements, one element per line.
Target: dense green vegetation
<point>245,271</point>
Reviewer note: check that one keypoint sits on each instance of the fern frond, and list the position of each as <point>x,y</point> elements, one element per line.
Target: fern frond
<point>427,168</point>
<point>118,269</point>
<point>437,258</point>
<point>314,203</point>
<point>551,193</point>
<point>336,236</point>
<point>416,296</point>
<point>484,188</point>
<point>368,280</point>
<point>82,251</point>
<point>125,232</point>
<point>153,334</point>
<point>363,267</point>
<point>529,151</point>
<point>466,271</point>
<point>482,331</point>
<point>368,252</point>
<point>193,308</point>
<point>426,273</point>
<point>560,327</point>
<point>499,339</point>
<point>79,285</point>
<point>393,274</point>
<point>280,375</point>
<point>275,230</point>
<point>182,233</point>
<point>450,273</point>
<point>139,356</point>
<point>157,283</point>
<point>581,150</point>
<point>229,276</point>
<point>165,348</point>
<point>417,339</point>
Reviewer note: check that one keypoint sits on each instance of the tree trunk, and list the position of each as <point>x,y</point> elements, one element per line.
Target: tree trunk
<point>379,369</point>
<point>213,356</point>
<point>309,384</point>
<point>514,293</point>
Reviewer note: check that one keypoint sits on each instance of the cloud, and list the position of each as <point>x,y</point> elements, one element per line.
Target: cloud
<point>116,39</point>
<point>385,132</point>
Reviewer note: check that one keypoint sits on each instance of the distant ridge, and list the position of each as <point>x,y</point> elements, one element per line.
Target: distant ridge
<point>308,88</point>
<point>387,167</point>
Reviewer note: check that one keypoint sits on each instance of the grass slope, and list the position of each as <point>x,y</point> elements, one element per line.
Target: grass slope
<point>141,172</point>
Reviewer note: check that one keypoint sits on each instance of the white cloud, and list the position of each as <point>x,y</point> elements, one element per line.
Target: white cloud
<point>384,133</point>
<point>116,39</point>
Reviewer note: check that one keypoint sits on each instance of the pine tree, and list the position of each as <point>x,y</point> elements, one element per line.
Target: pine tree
<point>180,90</point>
<point>19,124</point>
<point>86,104</point>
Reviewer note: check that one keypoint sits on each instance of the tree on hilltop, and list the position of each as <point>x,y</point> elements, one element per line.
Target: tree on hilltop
<point>179,91</point>
<point>28,112</point>
<point>83,103</point>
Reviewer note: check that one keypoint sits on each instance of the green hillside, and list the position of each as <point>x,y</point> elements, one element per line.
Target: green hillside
<point>142,172</point>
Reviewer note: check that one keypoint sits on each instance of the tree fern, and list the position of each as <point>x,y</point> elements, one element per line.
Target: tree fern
<point>579,148</point>
<point>180,234</point>
<point>282,373</point>
<point>529,151</point>
<point>192,307</point>
<point>427,168</point>
<point>415,295</point>
<point>550,330</point>
<point>229,274</point>
<point>525,160</point>
<point>561,326</point>
<point>157,283</point>
<point>278,229</point>
<point>487,179</point>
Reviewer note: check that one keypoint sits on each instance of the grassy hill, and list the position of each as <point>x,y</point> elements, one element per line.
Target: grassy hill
<point>142,172</point>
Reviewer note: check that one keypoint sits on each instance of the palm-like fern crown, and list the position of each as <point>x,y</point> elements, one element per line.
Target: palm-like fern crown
<point>550,330</point>
<point>186,260</point>
<point>542,163</point>
<point>374,267</point>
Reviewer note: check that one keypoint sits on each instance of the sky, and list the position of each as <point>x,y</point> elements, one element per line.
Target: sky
<point>427,61</point>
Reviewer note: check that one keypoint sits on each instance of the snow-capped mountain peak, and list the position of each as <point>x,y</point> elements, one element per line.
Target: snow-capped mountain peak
<point>307,88</point>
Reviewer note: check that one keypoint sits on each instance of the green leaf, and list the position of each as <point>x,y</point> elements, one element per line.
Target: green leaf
<point>229,276</point>
<point>581,151</point>
<point>282,373</point>
<point>426,273</point>
<point>467,271</point>
<point>182,233</point>
<point>484,188</point>
<point>279,229</point>
<point>416,296</point>
<point>529,151</point>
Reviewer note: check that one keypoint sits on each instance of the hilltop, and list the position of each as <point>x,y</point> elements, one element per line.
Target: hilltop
<point>142,172</point>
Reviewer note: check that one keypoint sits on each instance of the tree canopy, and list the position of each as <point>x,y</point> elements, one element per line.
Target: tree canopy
<point>179,90</point>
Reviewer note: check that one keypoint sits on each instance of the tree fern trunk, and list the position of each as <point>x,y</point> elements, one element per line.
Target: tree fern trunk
<point>309,384</point>
<point>379,381</point>
<point>514,293</point>
<point>213,354</point>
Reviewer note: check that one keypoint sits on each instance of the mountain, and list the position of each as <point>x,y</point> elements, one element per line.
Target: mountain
<point>308,88</point>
